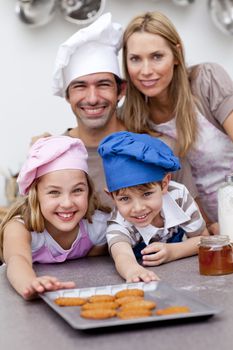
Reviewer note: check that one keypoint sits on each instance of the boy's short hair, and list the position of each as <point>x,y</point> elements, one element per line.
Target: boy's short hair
<point>139,188</point>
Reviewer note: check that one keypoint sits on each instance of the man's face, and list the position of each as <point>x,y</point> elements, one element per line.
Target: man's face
<point>93,99</point>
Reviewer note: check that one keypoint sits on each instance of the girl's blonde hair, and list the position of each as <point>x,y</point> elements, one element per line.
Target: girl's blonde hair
<point>28,209</point>
<point>135,111</point>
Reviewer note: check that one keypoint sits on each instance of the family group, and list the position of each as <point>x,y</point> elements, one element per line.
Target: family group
<point>137,178</point>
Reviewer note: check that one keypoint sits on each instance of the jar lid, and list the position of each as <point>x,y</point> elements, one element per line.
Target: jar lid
<point>217,240</point>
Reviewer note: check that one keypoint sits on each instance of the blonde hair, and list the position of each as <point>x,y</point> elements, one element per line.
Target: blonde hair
<point>28,209</point>
<point>136,112</point>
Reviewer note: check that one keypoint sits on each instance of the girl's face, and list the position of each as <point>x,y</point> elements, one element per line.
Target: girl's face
<point>141,208</point>
<point>63,198</point>
<point>150,63</point>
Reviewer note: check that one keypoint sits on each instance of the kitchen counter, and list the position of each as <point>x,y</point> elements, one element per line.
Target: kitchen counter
<point>33,325</point>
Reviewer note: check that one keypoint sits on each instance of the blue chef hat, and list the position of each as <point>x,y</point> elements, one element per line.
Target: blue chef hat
<point>131,159</point>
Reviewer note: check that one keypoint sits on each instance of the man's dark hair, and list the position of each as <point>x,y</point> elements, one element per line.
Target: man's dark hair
<point>118,80</point>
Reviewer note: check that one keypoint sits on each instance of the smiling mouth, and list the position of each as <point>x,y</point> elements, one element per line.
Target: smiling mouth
<point>93,111</point>
<point>66,216</point>
<point>149,83</point>
<point>141,217</point>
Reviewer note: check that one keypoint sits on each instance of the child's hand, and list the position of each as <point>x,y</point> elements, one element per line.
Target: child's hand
<point>156,253</point>
<point>45,283</point>
<point>139,273</point>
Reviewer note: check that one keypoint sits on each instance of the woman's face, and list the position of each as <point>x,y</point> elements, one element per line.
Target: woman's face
<point>150,63</point>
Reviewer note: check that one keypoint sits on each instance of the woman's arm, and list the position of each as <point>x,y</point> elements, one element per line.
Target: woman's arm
<point>212,227</point>
<point>228,125</point>
<point>213,87</point>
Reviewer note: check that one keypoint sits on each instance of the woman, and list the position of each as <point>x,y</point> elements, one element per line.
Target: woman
<point>193,106</point>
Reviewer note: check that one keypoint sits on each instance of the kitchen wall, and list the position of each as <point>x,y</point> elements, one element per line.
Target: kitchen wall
<point>27,106</point>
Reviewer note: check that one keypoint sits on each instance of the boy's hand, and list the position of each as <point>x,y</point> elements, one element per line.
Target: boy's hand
<point>45,283</point>
<point>155,254</point>
<point>139,273</point>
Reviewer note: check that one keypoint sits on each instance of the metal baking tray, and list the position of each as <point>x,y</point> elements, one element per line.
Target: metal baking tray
<point>163,294</point>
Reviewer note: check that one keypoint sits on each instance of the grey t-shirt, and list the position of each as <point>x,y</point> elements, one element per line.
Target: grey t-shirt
<point>213,87</point>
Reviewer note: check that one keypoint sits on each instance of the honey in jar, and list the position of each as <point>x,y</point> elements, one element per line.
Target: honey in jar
<point>215,255</point>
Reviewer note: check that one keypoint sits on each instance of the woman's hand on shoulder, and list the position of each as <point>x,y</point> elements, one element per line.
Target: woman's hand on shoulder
<point>42,284</point>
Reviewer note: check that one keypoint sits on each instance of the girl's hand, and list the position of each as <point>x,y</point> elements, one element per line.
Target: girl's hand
<point>45,283</point>
<point>156,253</point>
<point>139,273</point>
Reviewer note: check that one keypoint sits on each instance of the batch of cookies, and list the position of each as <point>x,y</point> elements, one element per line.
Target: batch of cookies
<point>125,304</point>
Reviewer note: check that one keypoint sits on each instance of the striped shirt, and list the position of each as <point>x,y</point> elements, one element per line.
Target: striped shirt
<point>179,210</point>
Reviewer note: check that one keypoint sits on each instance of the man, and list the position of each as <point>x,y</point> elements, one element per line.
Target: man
<point>93,99</point>
<point>87,74</point>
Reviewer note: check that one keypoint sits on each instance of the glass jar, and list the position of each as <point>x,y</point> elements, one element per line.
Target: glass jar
<point>225,207</point>
<point>215,255</point>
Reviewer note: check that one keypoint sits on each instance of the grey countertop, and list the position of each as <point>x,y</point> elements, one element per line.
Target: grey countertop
<point>34,325</point>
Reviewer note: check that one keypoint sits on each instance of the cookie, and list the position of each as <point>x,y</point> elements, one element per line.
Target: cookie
<point>128,299</point>
<point>139,304</point>
<point>98,314</point>
<point>172,310</point>
<point>101,298</point>
<point>106,305</point>
<point>128,292</point>
<point>69,301</point>
<point>136,313</point>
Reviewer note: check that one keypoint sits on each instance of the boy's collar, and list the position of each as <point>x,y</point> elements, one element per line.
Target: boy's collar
<point>173,215</point>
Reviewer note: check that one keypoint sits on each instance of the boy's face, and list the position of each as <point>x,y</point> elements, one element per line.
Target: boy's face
<point>141,207</point>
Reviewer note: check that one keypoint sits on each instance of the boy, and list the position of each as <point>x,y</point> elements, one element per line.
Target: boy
<point>151,210</point>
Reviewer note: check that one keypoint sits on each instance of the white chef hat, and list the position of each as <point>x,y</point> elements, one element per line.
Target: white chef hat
<point>93,49</point>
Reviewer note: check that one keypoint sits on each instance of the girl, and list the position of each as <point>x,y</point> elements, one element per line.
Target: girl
<point>195,108</point>
<point>56,220</point>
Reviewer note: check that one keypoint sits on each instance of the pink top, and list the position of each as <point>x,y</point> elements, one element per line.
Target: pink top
<point>79,248</point>
<point>46,250</point>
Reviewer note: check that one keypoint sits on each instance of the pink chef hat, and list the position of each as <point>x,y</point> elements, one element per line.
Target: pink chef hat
<point>50,154</point>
